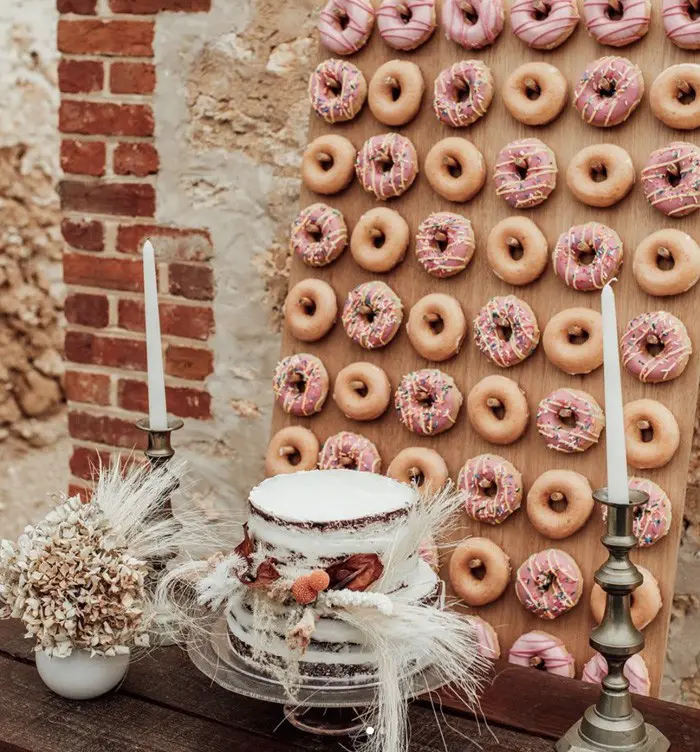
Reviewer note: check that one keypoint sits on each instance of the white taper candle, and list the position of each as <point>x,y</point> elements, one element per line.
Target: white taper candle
<point>157,414</point>
<point>614,418</point>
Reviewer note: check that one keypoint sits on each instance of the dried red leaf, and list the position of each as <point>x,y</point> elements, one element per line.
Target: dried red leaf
<point>266,574</point>
<point>357,572</point>
<point>245,547</point>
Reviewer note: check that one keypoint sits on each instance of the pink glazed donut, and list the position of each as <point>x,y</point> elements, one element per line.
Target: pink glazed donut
<point>387,165</point>
<point>652,520</point>
<point>444,244</point>
<point>506,331</point>
<point>549,583</point>
<point>671,179</point>
<point>544,24</point>
<point>350,451</point>
<point>372,315</point>
<point>681,23</point>
<point>487,641</point>
<point>525,173</point>
<point>655,347</point>
<point>406,24</point>
<point>463,93</point>
<point>544,651</point>
<point>345,25</point>
<point>319,235</point>
<point>635,671</point>
<point>617,28</point>
<point>579,241</point>
<point>570,420</point>
<point>473,24</point>
<point>337,91</point>
<point>427,402</point>
<point>491,488</point>
<point>300,384</point>
<point>609,91</point>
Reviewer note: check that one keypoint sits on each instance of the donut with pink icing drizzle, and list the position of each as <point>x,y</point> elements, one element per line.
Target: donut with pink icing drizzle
<point>463,93</point>
<point>525,173</point>
<point>506,331</point>
<point>473,24</point>
<point>349,451</point>
<point>319,235</point>
<point>372,315</point>
<point>491,488</point>
<point>570,420</point>
<point>671,179</point>
<point>682,23</point>
<point>387,165</point>
<point>635,671</point>
<point>300,384</point>
<point>617,25</point>
<point>345,25</point>
<point>549,583</point>
<point>406,24</point>
<point>544,24</point>
<point>444,244</point>
<point>652,520</point>
<point>543,651</point>
<point>587,256</point>
<point>609,91</point>
<point>427,402</point>
<point>488,644</point>
<point>655,347</point>
<point>337,91</point>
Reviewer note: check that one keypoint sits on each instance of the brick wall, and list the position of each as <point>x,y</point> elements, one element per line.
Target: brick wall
<point>109,205</point>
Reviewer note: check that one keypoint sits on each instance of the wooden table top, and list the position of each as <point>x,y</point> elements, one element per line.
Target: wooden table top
<point>166,705</point>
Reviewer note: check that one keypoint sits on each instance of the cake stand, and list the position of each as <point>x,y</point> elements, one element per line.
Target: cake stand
<point>319,705</point>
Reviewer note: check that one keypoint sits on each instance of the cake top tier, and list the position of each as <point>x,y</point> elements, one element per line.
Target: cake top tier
<point>327,496</point>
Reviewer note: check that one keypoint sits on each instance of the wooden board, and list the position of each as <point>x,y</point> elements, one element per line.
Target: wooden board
<point>633,219</point>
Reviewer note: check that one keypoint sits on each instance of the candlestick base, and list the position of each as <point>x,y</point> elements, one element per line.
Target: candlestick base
<point>620,734</point>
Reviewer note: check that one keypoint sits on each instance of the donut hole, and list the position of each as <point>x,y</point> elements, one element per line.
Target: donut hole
<point>673,176</point>
<point>416,477</point>
<point>615,11</point>
<point>454,168</point>
<point>326,162</point>
<point>693,12</point>
<point>540,10</point>
<point>504,330</point>
<point>360,388</point>
<point>567,417</point>
<point>435,322</point>
<point>598,172</point>
<point>297,382</point>
<point>405,13</point>
<point>576,335</point>
<point>654,347</point>
<point>497,408</point>
<point>292,456</point>
<point>664,260</point>
<point>342,19</point>
<point>585,255</point>
<point>469,13</point>
<point>646,433</point>
<point>515,249</point>
<point>441,240</point>
<point>533,91</point>
<point>462,90</point>
<point>687,94</point>
<point>607,88</point>
<point>477,569</point>
<point>395,90</point>
<point>545,581</point>
<point>334,86</point>
<point>488,488</point>
<point>378,238</point>
<point>521,168</point>
<point>308,306</point>
<point>386,163</point>
<point>348,463</point>
<point>538,663</point>
<point>557,502</point>
<point>314,232</point>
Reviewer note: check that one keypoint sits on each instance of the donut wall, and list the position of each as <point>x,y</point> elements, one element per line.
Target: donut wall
<point>540,194</point>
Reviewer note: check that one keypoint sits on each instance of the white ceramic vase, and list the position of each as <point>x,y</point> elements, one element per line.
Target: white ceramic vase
<point>81,676</point>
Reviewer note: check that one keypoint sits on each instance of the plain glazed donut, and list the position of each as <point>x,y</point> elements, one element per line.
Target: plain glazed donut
<point>337,91</point>
<point>455,169</point>
<point>675,96</point>
<point>318,235</point>
<point>372,315</point>
<point>635,671</point>
<point>291,450</point>
<point>463,93</point>
<point>379,240</point>
<point>535,93</point>
<point>395,92</point>
<point>300,384</point>
<point>517,251</point>
<point>421,467</point>
<point>387,165</point>
<point>541,650</point>
<point>427,402</point>
<point>473,24</point>
<point>667,262</point>
<point>310,310</point>
<point>525,173</point>
<point>681,23</point>
<point>586,257</point>
<point>544,24</point>
<point>362,391</point>
<point>573,340</point>
<point>498,409</point>
<point>479,571</point>
<point>559,503</point>
<point>345,25</point>
<point>488,645</point>
<point>655,347</point>
<point>652,435</point>
<point>671,179</point>
<point>506,331</point>
<point>609,91</point>
<point>600,175</point>
<point>617,24</point>
<point>444,244</point>
<point>646,600</point>
<point>652,521</point>
<point>436,326</point>
<point>328,164</point>
<point>491,488</point>
<point>349,451</point>
<point>549,583</point>
<point>570,420</point>
<point>406,24</point>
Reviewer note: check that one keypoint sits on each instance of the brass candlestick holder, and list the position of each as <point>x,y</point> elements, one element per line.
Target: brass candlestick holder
<point>159,449</point>
<point>612,723</point>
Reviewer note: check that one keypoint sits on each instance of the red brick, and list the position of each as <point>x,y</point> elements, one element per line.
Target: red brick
<point>127,199</point>
<point>182,401</point>
<point>86,234</point>
<point>81,491</point>
<point>99,37</point>
<point>190,363</point>
<point>83,157</point>
<point>105,118</point>
<point>192,322</point>
<point>87,310</point>
<point>132,78</point>
<point>156,6</point>
<point>136,159</point>
<point>85,463</point>
<point>170,243</point>
<point>113,352</point>
<point>104,429</point>
<point>80,76</point>
<point>83,7</point>
<point>193,282</point>
<point>87,387</point>
<point>104,272</point>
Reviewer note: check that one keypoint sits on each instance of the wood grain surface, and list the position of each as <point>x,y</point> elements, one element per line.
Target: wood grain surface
<point>632,218</point>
